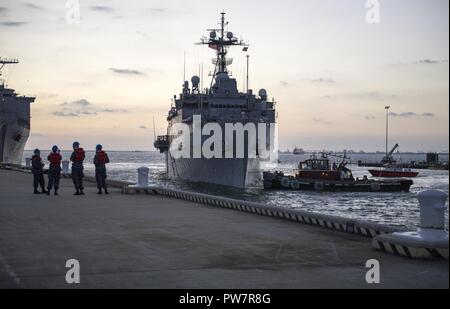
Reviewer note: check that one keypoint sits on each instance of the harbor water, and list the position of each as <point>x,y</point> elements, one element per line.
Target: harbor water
<point>397,209</point>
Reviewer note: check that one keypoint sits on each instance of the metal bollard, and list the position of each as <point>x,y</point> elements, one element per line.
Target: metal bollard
<point>143,177</point>
<point>432,209</point>
<point>430,240</point>
<point>28,162</point>
<point>65,167</point>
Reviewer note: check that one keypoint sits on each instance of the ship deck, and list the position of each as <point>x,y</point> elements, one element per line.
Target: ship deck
<point>141,241</point>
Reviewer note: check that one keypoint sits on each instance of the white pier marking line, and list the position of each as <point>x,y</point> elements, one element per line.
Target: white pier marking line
<point>10,271</point>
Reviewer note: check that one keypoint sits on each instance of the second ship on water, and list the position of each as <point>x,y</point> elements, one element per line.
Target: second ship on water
<point>14,120</point>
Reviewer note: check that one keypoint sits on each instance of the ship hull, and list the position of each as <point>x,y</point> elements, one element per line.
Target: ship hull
<point>238,173</point>
<point>14,122</point>
<point>12,143</point>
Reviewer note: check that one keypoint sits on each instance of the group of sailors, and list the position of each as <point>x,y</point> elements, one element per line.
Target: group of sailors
<point>54,172</point>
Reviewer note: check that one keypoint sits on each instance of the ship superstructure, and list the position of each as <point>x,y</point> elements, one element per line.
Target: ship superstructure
<point>14,120</point>
<point>222,103</point>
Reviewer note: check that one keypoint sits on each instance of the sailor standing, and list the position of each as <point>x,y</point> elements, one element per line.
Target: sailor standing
<point>77,158</point>
<point>100,161</point>
<point>54,171</point>
<point>38,172</point>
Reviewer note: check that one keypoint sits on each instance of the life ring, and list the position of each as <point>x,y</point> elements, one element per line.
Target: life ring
<point>319,186</point>
<point>375,187</point>
<point>295,185</point>
<point>285,182</point>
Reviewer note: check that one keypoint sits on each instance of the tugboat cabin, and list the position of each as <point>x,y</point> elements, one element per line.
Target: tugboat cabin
<point>320,169</point>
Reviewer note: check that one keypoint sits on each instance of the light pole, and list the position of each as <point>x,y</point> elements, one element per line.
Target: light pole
<point>387,129</point>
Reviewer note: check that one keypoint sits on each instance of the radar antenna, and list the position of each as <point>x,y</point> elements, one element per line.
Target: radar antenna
<point>345,159</point>
<point>221,40</point>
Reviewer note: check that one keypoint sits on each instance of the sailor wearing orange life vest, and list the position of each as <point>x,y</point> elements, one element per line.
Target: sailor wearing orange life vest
<point>100,161</point>
<point>54,171</point>
<point>77,158</point>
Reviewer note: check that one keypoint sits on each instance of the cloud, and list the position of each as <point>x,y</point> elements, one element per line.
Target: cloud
<point>12,23</point>
<point>83,107</point>
<point>404,114</point>
<point>110,110</point>
<point>33,6</point>
<point>102,8</point>
<point>64,114</point>
<point>81,102</point>
<point>323,81</point>
<point>3,9</point>
<point>86,112</point>
<point>127,72</point>
<point>411,114</point>
<point>375,95</point>
<point>321,121</point>
<point>429,61</point>
<point>284,83</point>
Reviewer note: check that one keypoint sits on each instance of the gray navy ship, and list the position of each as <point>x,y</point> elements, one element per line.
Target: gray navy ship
<point>14,120</point>
<point>222,103</point>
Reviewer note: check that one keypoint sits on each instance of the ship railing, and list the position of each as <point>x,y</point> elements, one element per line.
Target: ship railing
<point>162,138</point>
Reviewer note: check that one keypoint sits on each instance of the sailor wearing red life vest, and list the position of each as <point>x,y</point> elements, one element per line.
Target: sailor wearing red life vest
<point>38,173</point>
<point>100,161</point>
<point>77,158</point>
<point>54,171</point>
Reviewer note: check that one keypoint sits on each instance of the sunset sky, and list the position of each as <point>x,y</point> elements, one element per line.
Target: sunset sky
<point>102,80</point>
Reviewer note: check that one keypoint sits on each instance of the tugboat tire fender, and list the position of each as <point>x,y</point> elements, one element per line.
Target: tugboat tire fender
<point>285,182</point>
<point>295,184</point>
<point>319,186</point>
<point>375,187</point>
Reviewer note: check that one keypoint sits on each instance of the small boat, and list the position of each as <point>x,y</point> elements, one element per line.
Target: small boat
<point>298,151</point>
<point>394,172</point>
<point>390,167</point>
<point>317,174</point>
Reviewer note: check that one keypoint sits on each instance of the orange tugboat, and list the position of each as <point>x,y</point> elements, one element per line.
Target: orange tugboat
<point>317,174</point>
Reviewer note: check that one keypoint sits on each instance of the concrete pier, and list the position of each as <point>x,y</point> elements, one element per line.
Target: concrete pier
<point>145,241</point>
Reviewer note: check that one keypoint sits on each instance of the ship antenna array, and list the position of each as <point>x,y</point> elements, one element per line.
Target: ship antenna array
<point>344,157</point>
<point>221,43</point>
<point>4,62</point>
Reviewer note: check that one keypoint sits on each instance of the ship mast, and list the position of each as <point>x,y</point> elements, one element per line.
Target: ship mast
<point>221,43</point>
<point>4,62</point>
